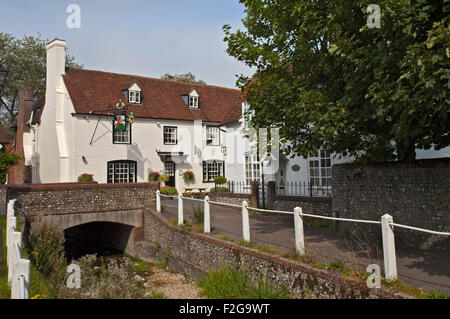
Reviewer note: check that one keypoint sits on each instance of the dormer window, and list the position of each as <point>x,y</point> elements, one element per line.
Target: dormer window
<point>193,99</point>
<point>134,97</point>
<point>134,94</point>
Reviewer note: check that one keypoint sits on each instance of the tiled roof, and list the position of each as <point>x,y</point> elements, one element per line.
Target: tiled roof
<point>161,99</point>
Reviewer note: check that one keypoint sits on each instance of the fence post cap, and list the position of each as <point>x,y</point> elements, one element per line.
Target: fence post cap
<point>206,197</point>
<point>298,210</point>
<point>158,191</point>
<point>386,216</point>
<point>244,203</point>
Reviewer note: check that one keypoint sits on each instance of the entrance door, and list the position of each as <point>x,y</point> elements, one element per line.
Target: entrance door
<point>169,168</point>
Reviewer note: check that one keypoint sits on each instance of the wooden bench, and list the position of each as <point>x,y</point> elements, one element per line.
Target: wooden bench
<point>188,192</point>
<point>195,192</point>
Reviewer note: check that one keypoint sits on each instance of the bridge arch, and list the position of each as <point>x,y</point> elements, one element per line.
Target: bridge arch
<point>133,218</point>
<point>101,238</point>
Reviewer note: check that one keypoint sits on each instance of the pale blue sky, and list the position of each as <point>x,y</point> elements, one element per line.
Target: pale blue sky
<point>147,38</point>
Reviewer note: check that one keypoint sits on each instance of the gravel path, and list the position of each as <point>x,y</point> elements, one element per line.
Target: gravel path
<point>173,286</point>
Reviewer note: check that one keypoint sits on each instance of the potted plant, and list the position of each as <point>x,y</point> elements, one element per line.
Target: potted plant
<point>85,177</point>
<point>168,190</point>
<point>188,177</point>
<point>153,176</point>
<point>219,180</point>
<point>163,179</point>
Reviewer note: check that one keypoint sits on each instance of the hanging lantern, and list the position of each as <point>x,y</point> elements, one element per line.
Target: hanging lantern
<point>120,105</point>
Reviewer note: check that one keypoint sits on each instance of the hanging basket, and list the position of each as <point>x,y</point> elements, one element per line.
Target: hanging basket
<point>188,177</point>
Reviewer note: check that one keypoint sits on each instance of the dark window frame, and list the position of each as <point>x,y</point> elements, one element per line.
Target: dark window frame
<point>221,169</point>
<point>112,179</point>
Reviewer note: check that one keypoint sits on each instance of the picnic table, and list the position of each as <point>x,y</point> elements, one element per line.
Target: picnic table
<point>195,192</point>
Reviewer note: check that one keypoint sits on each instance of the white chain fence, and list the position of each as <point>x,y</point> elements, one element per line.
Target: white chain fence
<point>387,227</point>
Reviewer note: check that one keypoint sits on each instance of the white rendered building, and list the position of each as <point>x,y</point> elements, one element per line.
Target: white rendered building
<point>177,127</point>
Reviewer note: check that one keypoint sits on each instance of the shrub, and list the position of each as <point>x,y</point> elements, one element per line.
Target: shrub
<point>167,190</point>
<point>153,177</point>
<point>45,249</point>
<point>229,283</point>
<point>220,180</point>
<point>86,177</point>
<point>164,178</point>
<point>188,177</point>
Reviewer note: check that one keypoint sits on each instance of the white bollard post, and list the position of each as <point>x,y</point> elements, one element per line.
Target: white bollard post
<point>158,201</point>
<point>10,229</point>
<point>10,208</point>
<point>206,216</point>
<point>180,210</point>
<point>14,253</point>
<point>245,222</point>
<point>299,235</point>
<point>20,286</point>
<point>390,263</point>
<point>11,223</point>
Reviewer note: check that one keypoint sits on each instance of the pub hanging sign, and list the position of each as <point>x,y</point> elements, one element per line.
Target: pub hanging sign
<point>121,118</point>
<point>120,122</point>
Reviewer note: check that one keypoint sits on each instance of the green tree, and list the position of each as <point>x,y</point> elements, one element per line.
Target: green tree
<point>26,61</point>
<point>185,77</point>
<point>6,161</point>
<point>328,80</point>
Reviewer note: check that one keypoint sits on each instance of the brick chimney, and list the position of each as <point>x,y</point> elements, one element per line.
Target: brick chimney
<point>23,116</point>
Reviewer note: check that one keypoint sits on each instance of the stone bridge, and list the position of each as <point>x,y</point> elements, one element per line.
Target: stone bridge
<point>89,214</point>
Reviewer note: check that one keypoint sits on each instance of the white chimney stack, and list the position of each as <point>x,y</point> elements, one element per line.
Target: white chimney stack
<point>53,149</point>
<point>56,63</point>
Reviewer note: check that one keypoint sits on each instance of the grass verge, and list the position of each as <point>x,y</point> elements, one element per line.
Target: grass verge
<point>227,282</point>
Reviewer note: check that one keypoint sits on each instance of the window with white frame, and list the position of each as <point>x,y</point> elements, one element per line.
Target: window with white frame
<point>252,169</point>
<point>134,94</point>
<point>134,97</point>
<point>211,170</point>
<point>193,101</point>
<point>170,135</point>
<point>212,135</point>
<point>320,169</point>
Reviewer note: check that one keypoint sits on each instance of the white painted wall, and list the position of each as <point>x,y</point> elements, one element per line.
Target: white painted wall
<point>147,139</point>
